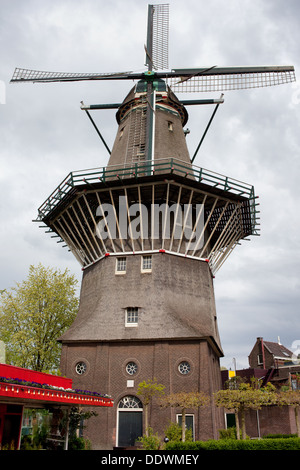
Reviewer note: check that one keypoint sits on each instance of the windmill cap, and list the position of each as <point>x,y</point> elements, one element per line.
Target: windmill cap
<point>160,86</point>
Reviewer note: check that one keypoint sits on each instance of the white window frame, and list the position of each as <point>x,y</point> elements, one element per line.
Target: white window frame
<point>190,415</point>
<point>131,312</point>
<point>143,268</point>
<point>121,262</point>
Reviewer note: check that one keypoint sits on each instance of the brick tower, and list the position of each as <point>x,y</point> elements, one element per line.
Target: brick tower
<point>150,231</point>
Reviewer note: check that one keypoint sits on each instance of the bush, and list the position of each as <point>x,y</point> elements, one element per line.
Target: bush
<point>234,444</point>
<point>174,433</point>
<point>279,436</point>
<point>150,442</point>
<point>229,433</point>
<point>79,443</point>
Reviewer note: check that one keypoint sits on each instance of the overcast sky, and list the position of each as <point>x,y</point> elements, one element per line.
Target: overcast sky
<point>254,136</point>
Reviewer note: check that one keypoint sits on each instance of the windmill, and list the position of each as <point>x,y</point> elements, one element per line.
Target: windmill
<point>147,305</point>
<point>191,80</point>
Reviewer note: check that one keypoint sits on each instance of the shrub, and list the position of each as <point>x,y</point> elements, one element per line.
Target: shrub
<point>79,443</point>
<point>229,433</point>
<point>234,444</point>
<point>150,442</point>
<point>279,436</point>
<point>174,432</point>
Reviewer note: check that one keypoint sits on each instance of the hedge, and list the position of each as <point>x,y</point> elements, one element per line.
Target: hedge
<point>234,444</point>
<point>279,436</point>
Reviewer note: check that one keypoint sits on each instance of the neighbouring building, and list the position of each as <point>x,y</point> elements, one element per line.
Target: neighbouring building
<point>269,362</point>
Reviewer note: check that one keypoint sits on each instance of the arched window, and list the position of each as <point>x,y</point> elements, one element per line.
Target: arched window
<point>130,402</point>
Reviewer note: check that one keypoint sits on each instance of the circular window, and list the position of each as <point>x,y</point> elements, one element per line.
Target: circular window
<point>184,368</point>
<point>131,368</point>
<point>80,368</point>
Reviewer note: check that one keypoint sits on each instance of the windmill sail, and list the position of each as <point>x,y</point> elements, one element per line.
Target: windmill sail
<point>229,78</point>
<point>157,53</point>
<point>29,75</point>
<point>156,57</point>
<point>180,80</point>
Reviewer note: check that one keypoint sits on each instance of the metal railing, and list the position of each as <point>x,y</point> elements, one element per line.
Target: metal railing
<point>136,170</point>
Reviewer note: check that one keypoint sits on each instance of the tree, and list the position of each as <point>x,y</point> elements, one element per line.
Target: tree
<point>147,390</point>
<point>245,397</point>
<point>185,400</point>
<point>34,314</point>
<point>72,423</point>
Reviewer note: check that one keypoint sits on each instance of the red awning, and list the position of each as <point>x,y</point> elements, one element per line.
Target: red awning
<point>24,393</point>
<point>15,385</point>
